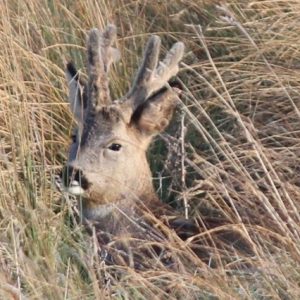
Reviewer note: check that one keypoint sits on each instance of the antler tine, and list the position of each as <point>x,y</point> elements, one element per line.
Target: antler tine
<point>149,63</point>
<point>168,67</point>
<point>100,57</point>
<point>152,76</point>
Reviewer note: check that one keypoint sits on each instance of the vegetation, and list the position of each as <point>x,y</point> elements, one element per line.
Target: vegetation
<point>235,155</point>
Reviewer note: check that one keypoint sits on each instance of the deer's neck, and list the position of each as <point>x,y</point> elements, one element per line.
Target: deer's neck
<point>121,217</point>
<point>100,211</point>
<point>123,204</point>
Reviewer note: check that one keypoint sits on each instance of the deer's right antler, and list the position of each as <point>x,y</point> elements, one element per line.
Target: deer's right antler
<point>152,76</point>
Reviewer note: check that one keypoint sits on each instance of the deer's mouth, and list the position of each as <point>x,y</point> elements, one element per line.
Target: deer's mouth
<point>74,188</point>
<point>73,181</point>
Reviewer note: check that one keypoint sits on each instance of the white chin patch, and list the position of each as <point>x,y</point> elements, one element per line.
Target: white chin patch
<point>75,189</point>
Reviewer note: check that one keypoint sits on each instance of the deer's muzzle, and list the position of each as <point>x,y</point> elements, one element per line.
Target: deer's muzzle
<point>74,181</point>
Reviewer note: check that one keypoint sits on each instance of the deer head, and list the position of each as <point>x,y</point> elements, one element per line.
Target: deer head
<point>107,160</point>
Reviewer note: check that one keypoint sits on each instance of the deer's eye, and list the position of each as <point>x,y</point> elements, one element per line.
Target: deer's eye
<point>115,147</point>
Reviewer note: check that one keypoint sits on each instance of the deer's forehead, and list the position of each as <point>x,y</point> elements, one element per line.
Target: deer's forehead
<point>106,124</point>
<point>102,122</point>
<point>106,116</point>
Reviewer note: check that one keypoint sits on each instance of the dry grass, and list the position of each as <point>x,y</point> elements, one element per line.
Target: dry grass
<point>239,163</point>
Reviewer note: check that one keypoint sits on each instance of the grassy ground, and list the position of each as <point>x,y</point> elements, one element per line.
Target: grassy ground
<point>239,159</point>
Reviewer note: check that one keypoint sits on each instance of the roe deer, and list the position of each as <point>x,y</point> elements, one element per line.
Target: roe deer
<point>107,167</point>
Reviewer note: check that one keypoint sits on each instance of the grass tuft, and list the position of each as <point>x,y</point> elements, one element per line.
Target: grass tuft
<point>231,155</point>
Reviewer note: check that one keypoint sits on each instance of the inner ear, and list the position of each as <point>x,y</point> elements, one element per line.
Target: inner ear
<point>154,115</point>
<point>77,92</point>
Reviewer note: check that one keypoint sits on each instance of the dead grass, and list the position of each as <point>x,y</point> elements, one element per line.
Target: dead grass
<point>239,163</point>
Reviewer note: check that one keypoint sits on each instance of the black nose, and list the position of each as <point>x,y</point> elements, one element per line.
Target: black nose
<point>68,174</point>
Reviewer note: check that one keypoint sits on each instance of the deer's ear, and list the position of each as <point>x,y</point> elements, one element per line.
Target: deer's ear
<point>154,115</point>
<point>77,92</point>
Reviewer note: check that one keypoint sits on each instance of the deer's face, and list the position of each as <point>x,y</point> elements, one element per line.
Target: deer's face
<point>107,159</point>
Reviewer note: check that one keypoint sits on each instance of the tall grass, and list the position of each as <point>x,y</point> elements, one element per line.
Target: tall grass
<point>237,160</point>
